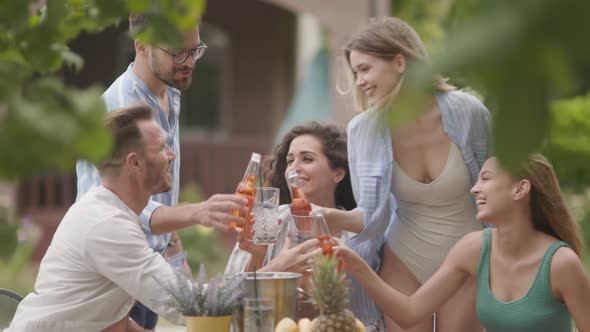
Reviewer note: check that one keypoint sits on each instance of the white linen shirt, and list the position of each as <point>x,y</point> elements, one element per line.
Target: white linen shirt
<point>98,263</point>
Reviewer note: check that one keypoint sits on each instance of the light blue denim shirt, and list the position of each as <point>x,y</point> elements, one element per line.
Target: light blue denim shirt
<point>129,90</point>
<point>468,124</point>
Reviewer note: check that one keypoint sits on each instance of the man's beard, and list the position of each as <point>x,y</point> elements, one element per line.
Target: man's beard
<point>177,84</point>
<point>168,77</point>
<point>155,181</point>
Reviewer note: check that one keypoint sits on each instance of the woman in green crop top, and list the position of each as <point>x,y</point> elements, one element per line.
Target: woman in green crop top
<point>528,269</point>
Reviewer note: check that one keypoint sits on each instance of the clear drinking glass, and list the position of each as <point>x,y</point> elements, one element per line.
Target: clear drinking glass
<point>266,215</point>
<point>301,228</point>
<point>307,227</point>
<point>259,315</point>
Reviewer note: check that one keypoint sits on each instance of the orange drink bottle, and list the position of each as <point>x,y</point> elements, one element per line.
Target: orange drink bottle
<point>247,188</point>
<point>300,206</point>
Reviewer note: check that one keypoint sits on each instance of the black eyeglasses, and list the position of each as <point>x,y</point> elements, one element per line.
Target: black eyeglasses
<point>180,57</point>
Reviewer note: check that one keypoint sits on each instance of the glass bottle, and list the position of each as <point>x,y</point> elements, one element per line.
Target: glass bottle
<point>299,203</point>
<point>247,189</point>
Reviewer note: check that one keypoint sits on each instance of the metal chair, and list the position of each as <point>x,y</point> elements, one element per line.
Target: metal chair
<point>9,301</point>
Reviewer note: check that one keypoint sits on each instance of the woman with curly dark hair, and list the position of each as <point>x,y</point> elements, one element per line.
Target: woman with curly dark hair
<point>330,142</point>
<point>318,153</point>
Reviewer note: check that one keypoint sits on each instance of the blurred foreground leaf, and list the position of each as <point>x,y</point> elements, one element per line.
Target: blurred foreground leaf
<point>523,56</point>
<point>44,124</point>
<point>569,144</point>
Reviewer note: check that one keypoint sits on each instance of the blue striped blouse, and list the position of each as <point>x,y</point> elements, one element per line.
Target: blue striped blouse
<point>468,124</point>
<point>129,90</point>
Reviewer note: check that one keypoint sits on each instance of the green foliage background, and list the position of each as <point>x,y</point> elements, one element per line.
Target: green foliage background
<point>527,59</point>
<point>44,124</point>
<point>202,245</point>
<point>522,56</point>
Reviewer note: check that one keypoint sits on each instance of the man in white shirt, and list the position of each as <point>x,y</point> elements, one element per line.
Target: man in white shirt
<point>99,261</point>
<point>156,78</point>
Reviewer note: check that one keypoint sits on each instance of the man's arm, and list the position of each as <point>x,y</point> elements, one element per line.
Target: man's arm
<point>160,219</point>
<point>214,212</point>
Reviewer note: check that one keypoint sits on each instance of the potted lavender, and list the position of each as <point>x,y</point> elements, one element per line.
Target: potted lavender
<point>206,305</point>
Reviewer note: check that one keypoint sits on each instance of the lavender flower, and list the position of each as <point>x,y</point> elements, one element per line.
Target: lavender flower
<point>218,297</point>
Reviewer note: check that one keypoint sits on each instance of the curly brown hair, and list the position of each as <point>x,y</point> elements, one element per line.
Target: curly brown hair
<point>333,141</point>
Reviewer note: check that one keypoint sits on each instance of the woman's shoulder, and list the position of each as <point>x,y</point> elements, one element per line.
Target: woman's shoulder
<point>567,274</point>
<point>463,101</point>
<point>463,95</point>
<point>469,245</point>
<point>473,240</point>
<point>565,259</point>
<point>466,253</point>
<point>363,121</point>
<point>462,106</point>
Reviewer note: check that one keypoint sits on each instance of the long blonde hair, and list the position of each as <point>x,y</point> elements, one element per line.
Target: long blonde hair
<point>549,211</point>
<point>386,37</point>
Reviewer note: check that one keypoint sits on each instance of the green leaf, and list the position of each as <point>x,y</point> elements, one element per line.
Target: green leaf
<point>137,6</point>
<point>569,142</point>
<point>14,15</point>
<point>72,60</point>
<point>43,124</point>
<point>522,55</point>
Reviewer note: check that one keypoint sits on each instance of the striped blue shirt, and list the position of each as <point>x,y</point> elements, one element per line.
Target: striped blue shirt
<point>129,90</point>
<point>468,124</point>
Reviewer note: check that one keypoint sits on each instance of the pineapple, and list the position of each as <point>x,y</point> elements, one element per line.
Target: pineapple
<point>329,292</point>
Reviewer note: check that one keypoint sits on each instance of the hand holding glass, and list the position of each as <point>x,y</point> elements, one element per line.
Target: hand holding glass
<point>306,227</point>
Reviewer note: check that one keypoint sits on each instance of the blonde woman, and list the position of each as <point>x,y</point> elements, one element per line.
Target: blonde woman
<point>527,269</point>
<point>414,179</point>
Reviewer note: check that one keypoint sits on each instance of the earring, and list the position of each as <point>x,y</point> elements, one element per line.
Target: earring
<point>338,88</point>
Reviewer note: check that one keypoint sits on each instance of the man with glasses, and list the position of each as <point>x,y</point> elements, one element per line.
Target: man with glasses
<point>155,79</point>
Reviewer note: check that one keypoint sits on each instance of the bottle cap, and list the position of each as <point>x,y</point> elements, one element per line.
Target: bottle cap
<point>291,174</point>
<point>255,157</point>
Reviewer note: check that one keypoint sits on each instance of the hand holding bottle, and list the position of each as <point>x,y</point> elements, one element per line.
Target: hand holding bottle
<point>247,189</point>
